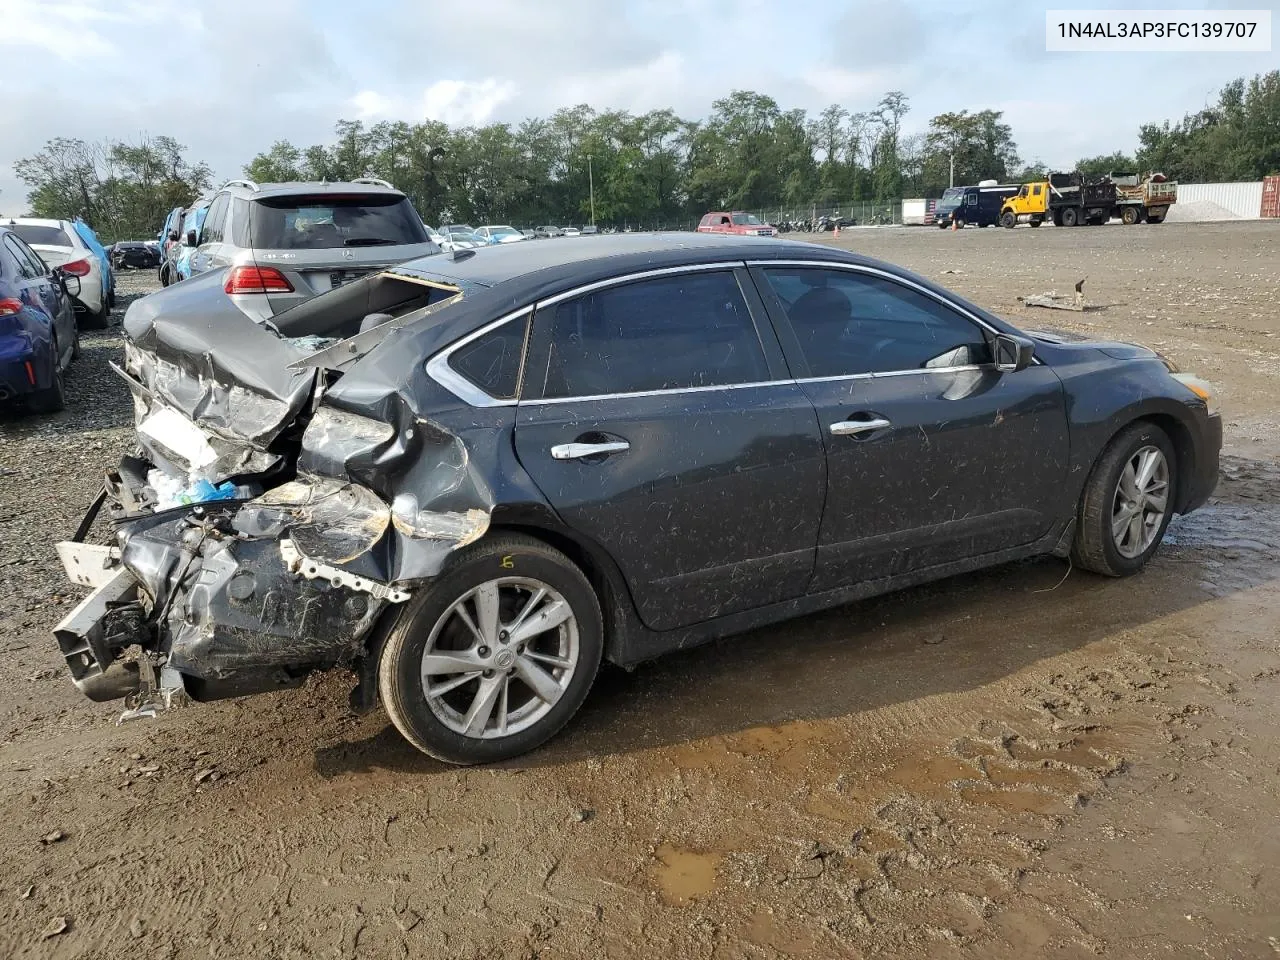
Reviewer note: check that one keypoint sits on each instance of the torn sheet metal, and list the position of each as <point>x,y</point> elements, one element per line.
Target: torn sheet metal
<point>1052,300</point>
<point>330,520</point>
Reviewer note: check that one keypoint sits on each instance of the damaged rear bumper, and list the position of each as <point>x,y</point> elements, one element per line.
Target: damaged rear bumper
<point>210,610</point>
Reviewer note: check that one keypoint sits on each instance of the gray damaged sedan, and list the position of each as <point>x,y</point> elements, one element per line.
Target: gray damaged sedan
<point>472,478</point>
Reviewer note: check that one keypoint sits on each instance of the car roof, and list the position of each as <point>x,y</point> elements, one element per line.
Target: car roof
<point>611,254</point>
<point>35,221</point>
<point>269,190</point>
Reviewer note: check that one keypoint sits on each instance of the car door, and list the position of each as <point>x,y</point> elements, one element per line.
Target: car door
<point>202,258</point>
<point>37,289</point>
<point>659,421</point>
<point>933,455</point>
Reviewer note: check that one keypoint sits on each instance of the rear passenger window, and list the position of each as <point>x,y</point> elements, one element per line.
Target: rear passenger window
<point>668,333</point>
<point>492,362</point>
<point>211,232</point>
<point>240,223</point>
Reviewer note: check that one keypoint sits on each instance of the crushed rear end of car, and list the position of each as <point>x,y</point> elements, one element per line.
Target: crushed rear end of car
<point>278,501</point>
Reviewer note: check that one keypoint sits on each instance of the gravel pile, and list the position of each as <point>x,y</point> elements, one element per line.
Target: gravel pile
<point>1200,211</point>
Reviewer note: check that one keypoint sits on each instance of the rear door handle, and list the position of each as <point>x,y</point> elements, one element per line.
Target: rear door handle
<point>849,428</point>
<point>576,451</point>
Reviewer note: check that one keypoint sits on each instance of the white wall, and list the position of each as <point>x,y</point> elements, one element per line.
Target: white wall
<point>1217,201</point>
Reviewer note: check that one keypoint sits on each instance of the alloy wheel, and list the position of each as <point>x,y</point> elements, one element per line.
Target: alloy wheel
<point>500,657</point>
<point>1141,501</point>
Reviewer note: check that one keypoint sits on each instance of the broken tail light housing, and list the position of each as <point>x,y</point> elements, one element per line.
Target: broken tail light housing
<point>10,308</point>
<point>76,268</point>
<point>256,280</point>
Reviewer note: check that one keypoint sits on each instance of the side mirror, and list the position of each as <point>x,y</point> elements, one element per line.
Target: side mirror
<point>70,283</point>
<point>191,238</point>
<point>1012,353</point>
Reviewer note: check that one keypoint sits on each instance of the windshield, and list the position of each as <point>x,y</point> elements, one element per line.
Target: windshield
<point>745,219</point>
<point>47,236</point>
<point>326,221</point>
<point>505,232</point>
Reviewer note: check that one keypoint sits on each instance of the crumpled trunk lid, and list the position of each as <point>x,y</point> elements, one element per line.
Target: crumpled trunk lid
<point>213,391</point>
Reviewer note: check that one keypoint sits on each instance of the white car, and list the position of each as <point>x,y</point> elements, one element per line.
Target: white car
<point>571,232</point>
<point>500,234</point>
<point>460,240</point>
<point>435,235</point>
<point>59,245</point>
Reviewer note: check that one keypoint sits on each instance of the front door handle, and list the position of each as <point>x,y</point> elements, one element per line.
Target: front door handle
<point>849,428</point>
<point>576,451</point>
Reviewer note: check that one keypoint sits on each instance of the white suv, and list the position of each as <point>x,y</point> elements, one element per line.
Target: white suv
<point>284,243</point>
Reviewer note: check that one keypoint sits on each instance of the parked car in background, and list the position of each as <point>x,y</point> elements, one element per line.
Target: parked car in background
<point>735,222</point>
<point>590,230</point>
<point>461,240</point>
<point>189,228</point>
<point>435,235</point>
<point>60,244</point>
<point>528,234</point>
<point>451,499</point>
<point>108,277</point>
<point>500,234</point>
<point>135,254</point>
<point>170,238</point>
<point>282,243</point>
<point>548,232</point>
<point>459,228</point>
<point>38,335</point>
<point>570,232</point>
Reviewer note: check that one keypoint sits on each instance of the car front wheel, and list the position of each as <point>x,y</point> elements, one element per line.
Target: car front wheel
<point>1127,502</point>
<point>495,655</point>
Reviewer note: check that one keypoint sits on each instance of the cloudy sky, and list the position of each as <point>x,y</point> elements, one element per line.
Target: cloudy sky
<point>227,78</point>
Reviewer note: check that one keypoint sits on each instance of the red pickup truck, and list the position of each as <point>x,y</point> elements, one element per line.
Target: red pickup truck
<point>736,222</point>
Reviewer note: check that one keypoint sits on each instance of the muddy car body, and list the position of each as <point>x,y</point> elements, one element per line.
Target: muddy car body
<point>472,477</point>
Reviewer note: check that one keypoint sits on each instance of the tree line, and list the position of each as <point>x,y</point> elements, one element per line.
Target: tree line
<point>650,169</point>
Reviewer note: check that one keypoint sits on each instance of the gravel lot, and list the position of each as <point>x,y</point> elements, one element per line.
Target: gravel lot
<point>1010,764</point>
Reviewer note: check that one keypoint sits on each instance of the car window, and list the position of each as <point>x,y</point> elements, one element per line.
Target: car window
<point>34,262</point>
<point>240,236</point>
<point>26,268</point>
<point>211,231</point>
<point>48,236</point>
<point>492,362</point>
<point>325,221</point>
<point>689,330</point>
<point>850,323</point>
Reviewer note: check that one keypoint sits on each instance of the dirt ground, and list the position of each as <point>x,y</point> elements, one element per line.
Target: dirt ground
<point>1006,765</point>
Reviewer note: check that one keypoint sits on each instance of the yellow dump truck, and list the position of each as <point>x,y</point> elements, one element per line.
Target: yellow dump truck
<point>1069,200</point>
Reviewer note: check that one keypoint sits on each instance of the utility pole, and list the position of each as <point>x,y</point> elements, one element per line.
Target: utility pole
<point>591,185</point>
<point>953,169</point>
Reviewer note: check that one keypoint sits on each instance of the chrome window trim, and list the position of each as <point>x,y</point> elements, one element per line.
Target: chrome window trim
<point>659,393</point>
<point>643,275</point>
<point>439,370</point>
<point>876,271</point>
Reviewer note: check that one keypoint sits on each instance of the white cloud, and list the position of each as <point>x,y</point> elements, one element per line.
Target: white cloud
<point>463,103</point>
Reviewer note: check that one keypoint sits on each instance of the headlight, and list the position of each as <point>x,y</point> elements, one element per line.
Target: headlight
<point>1200,389</point>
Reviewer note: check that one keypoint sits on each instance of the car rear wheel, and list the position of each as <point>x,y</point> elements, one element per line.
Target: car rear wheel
<point>53,397</point>
<point>1008,220</point>
<point>1070,217</point>
<point>1127,502</point>
<point>496,655</point>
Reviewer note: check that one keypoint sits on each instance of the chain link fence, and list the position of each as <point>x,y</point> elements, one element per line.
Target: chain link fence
<point>803,218</point>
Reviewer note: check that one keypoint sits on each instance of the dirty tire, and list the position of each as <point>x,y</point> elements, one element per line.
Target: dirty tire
<point>1129,216</point>
<point>1008,220</point>
<point>1094,548</point>
<point>1071,217</point>
<point>399,670</point>
<point>1036,223</point>
<point>960,223</point>
<point>1152,218</point>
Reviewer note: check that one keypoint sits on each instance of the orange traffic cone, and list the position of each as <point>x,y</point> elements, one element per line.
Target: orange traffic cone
<point>953,223</point>
<point>837,228</point>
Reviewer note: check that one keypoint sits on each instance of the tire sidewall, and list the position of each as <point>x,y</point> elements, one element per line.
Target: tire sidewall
<point>402,655</point>
<point>1146,436</point>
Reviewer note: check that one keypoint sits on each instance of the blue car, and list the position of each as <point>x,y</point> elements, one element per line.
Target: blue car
<point>38,337</point>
